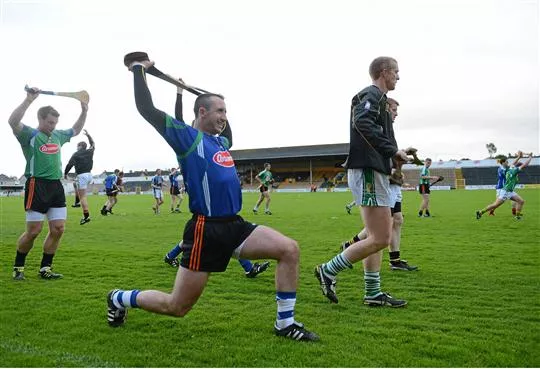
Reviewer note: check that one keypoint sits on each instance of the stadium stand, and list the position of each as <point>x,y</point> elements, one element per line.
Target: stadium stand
<point>320,166</point>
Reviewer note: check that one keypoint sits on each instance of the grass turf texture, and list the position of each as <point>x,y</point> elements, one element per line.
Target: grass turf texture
<point>474,302</point>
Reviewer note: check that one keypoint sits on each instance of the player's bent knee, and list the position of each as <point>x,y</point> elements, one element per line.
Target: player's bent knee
<point>291,251</point>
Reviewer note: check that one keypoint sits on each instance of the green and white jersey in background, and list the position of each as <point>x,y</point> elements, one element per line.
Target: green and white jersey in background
<point>266,177</point>
<point>42,152</point>
<point>424,172</point>
<point>511,179</point>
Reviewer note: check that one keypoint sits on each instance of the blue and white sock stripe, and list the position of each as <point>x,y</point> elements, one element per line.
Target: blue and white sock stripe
<point>285,309</point>
<point>123,299</point>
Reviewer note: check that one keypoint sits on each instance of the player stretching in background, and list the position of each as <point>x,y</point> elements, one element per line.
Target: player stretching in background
<point>175,191</point>
<point>507,192</point>
<point>157,190</point>
<point>501,178</point>
<point>265,179</point>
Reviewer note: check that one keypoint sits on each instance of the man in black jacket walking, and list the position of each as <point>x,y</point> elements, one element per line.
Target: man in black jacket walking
<point>369,165</point>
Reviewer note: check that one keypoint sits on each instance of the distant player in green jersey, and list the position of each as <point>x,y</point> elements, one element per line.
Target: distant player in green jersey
<point>43,194</point>
<point>507,192</point>
<point>265,179</point>
<point>423,188</point>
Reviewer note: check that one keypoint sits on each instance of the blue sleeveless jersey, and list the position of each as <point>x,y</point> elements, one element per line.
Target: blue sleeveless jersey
<point>110,181</point>
<point>208,170</point>
<point>501,177</point>
<point>173,178</point>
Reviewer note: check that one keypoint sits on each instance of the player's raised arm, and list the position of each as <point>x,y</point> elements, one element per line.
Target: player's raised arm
<point>178,106</point>
<point>17,115</point>
<point>143,98</point>
<point>526,162</point>
<point>90,140</point>
<point>79,124</point>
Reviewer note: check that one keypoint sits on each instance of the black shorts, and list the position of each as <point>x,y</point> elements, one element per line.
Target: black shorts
<point>209,242</point>
<point>424,188</point>
<point>396,208</point>
<point>263,188</point>
<point>111,192</point>
<point>42,194</point>
<point>174,190</point>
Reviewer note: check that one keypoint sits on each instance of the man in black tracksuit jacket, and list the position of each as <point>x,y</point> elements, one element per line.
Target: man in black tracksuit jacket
<point>369,164</point>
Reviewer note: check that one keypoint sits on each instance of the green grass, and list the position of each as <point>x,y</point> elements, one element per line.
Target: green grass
<point>474,302</point>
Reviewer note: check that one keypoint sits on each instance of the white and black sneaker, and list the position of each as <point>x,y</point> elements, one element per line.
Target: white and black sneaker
<point>402,265</point>
<point>384,299</point>
<point>327,282</point>
<point>297,332</point>
<point>115,316</point>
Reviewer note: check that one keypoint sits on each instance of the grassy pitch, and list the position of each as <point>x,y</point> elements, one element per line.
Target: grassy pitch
<point>473,303</point>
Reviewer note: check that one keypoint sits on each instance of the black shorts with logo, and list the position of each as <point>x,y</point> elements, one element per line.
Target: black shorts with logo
<point>174,190</point>
<point>263,188</point>
<point>42,194</point>
<point>424,188</point>
<point>209,242</point>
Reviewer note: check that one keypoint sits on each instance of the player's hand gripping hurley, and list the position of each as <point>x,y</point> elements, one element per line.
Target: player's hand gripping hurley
<point>82,95</point>
<point>140,56</point>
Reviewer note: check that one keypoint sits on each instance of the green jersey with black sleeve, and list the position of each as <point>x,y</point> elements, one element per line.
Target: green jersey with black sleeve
<point>42,152</point>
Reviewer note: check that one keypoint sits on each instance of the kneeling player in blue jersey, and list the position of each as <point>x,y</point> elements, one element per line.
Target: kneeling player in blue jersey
<point>216,232</point>
<point>251,269</point>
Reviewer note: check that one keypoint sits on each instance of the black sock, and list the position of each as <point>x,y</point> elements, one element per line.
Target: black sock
<point>86,214</point>
<point>420,212</point>
<point>104,208</point>
<point>20,259</point>
<point>427,212</point>
<point>46,261</point>
<point>394,257</point>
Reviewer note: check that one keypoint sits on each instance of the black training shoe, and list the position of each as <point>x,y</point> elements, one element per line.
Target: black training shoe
<point>255,212</point>
<point>18,274</point>
<point>348,209</point>
<point>268,212</point>
<point>104,212</point>
<point>84,221</point>
<point>257,269</point>
<point>297,332</point>
<point>384,299</point>
<point>478,215</point>
<point>47,273</point>
<point>328,283</point>
<point>172,262</point>
<point>76,205</point>
<point>403,265</point>
<point>115,316</point>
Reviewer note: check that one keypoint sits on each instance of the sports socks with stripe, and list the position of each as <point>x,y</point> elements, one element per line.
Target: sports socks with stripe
<point>337,264</point>
<point>124,299</point>
<point>372,282</point>
<point>285,309</point>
